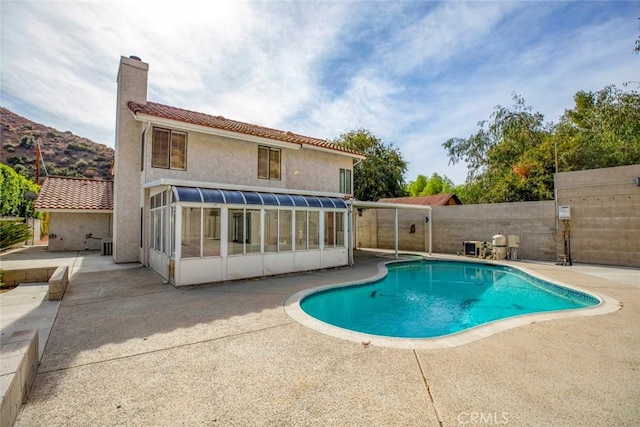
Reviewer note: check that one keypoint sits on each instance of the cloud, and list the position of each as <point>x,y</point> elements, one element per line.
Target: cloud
<point>413,73</point>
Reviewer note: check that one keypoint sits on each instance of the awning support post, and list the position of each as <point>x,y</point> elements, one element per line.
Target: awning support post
<point>430,229</point>
<point>396,233</point>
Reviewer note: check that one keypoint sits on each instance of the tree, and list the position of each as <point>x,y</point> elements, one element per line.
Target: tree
<point>601,130</point>
<point>424,186</point>
<point>13,187</point>
<point>381,174</point>
<point>507,157</point>
<point>513,157</point>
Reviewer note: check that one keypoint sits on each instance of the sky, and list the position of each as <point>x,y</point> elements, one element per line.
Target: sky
<point>413,73</point>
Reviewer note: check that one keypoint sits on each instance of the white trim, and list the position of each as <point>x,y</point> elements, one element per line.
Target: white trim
<point>386,205</point>
<point>142,117</point>
<point>223,186</point>
<point>329,150</point>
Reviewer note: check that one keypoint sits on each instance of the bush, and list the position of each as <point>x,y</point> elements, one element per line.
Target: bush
<point>12,232</point>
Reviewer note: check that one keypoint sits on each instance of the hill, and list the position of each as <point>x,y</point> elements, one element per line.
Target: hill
<point>64,153</point>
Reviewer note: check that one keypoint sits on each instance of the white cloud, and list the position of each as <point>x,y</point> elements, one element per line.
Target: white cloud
<point>413,73</point>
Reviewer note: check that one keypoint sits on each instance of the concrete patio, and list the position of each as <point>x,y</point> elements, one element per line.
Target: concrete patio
<point>127,350</point>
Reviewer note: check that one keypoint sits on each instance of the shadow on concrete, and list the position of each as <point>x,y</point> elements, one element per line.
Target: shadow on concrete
<point>112,314</point>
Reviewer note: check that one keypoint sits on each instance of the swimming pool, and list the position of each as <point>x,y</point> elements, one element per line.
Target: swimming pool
<point>435,298</point>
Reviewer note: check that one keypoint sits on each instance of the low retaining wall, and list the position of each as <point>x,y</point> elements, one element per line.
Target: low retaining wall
<point>19,356</point>
<point>57,277</point>
<point>27,275</point>
<point>58,283</point>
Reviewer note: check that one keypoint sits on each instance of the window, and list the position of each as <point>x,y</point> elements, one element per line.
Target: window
<point>333,230</point>
<point>169,149</point>
<point>211,241</point>
<point>158,223</point>
<point>345,181</point>
<point>252,218</point>
<point>236,231</point>
<point>271,230</point>
<point>284,234</point>
<point>268,163</point>
<point>314,230</point>
<point>200,232</point>
<point>244,231</point>
<point>191,232</point>
<point>301,230</point>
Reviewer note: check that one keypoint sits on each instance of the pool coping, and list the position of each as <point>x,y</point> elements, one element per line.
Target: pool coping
<point>293,310</point>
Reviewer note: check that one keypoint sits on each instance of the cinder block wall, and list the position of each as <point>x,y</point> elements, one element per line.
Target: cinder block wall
<point>605,221</point>
<point>605,214</point>
<point>534,222</point>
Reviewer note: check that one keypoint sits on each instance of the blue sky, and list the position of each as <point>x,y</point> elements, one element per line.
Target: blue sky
<point>413,73</point>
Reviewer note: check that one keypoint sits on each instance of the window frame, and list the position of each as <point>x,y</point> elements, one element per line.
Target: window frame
<point>170,146</point>
<point>270,173</point>
<point>345,181</point>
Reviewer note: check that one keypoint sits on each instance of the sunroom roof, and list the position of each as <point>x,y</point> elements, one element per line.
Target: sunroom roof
<point>234,197</point>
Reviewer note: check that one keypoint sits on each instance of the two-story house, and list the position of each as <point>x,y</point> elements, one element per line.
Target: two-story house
<point>201,198</point>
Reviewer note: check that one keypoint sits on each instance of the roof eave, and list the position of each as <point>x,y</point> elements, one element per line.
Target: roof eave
<point>177,124</point>
<point>68,210</point>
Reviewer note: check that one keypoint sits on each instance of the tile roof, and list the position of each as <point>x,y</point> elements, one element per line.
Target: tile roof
<point>219,122</point>
<point>435,200</point>
<point>74,194</point>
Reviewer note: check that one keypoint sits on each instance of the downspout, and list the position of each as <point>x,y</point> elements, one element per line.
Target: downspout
<point>350,223</point>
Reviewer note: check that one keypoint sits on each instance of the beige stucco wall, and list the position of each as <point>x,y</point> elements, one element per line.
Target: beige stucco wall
<point>212,158</point>
<point>71,229</point>
<point>127,193</point>
<point>605,214</point>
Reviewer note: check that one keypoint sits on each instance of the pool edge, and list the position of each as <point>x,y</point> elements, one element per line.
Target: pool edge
<point>293,309</point>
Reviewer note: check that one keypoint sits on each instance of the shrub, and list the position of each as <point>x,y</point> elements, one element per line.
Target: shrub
<point>12,232</point>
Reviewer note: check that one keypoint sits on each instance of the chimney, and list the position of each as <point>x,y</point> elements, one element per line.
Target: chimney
<point>132,87</point>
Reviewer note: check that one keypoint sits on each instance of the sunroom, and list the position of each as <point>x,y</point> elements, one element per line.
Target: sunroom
<point>202,235</point>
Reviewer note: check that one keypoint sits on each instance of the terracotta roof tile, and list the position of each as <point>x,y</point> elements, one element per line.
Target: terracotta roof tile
<point>75,194</point>
<point>435,200</point>
<point>219,122</point>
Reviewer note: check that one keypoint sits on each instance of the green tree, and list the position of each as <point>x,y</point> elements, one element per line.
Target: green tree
<point>507,157</point>
<point>381,174</point>
<point>13,187</point>
<point>414,188</point>
<point>601,130</point>
<point>436,184</point>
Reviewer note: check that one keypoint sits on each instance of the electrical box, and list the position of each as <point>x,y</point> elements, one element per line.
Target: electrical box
<point>472,248</point>
<point>564,212</point>
<point>513,241</point>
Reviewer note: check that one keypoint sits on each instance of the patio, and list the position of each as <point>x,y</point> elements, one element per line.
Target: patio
<point>127,350</point>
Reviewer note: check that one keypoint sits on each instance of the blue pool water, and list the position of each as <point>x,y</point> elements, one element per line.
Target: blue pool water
<point>426,299</point>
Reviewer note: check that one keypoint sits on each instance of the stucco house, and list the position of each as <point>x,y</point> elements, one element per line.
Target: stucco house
<point>80,212</point>
<point>201,198</point>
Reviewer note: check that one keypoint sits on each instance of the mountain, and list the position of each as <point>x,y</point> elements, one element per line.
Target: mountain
<point>64,153</point>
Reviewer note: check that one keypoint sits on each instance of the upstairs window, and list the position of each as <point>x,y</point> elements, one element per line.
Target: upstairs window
<point>345,181</point>
<point>268,163</point>
<point>169,149</point>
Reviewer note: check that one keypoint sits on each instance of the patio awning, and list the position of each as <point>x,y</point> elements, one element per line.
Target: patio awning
<point>235,197</point>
